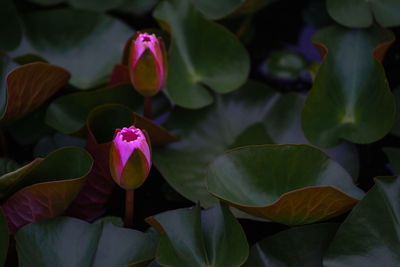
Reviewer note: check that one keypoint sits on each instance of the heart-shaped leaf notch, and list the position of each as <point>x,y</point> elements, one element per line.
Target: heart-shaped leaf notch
<point>349,101</point>
<point>191,237</point>
<point>44,188</point>
<point>28,86</point>
<point>212,57</point>
<point>289,184</point>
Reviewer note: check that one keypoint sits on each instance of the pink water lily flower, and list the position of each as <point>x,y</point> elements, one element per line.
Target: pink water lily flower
<point>130,157</point>
<point>147,64</point>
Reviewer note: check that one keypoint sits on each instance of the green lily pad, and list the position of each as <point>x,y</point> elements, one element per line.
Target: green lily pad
<point>370,234</point>
<point>350,99</point>
<point>253,115</point>
<point>45,187</point>
<point>3,238</point>
<point>362,13</point>
<point>191,237</point>
<point>54,243</point>
<point>222,8</point>
<point>10,27</point>
<point>393,155</point>
<point>86,43</point>
<point>213,57</point>
<point>283,183</point>
<point>7,165</point>
<point>300,246</point>
<point>28,86</point>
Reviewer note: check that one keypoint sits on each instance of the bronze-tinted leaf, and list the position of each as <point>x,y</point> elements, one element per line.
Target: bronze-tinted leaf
<point>28,86</point>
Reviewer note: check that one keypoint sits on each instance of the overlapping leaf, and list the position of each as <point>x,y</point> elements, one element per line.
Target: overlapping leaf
<point>289,184</point>
<point>68,114</point>
<point>370,234</point>
<point>44,188</point>
<point>101,125</point>
<point>54,243</point>
<point>95,194</point>
<point>255,114</point>
<point>300,246</point>
<point>213,57</point>
<point>88,44</point>
<point>363,13</point>
<point>28,86</point>
<point>191,237</point>
<point>350,99</point>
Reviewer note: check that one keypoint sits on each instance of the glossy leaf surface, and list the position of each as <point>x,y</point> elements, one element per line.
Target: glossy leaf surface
<point>370,234</point>
<point>363,13</point>
<point>74,39</point>
<point>300,246</point>
<point>289,184</point>
<point>44,188</point>
<point>212,57</point>
<point>349,101</point>
<point>54,243</point>
<point>191,237</point>
<point>253,115</point>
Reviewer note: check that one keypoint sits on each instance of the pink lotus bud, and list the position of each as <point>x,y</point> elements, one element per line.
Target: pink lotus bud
<point>148,64</point>
<point>130,158</point>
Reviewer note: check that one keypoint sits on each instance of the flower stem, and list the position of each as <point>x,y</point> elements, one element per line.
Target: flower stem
<point>129,201</point>
<point>147,107</point>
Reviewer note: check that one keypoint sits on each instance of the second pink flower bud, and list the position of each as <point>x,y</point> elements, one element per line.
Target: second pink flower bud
<point>147,64</point>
